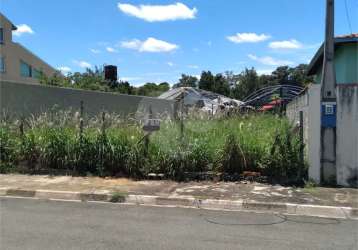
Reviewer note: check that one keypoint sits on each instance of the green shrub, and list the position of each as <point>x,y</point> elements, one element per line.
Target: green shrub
<point>55,148</point>
<point>83,155</point>
<point>136,162</point>
<point>30,151</point>
<point>8,149</point>
<point>283,163</point>
<point>232,159</point>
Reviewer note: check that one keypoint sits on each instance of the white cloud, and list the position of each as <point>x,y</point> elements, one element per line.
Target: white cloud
<point>82,64</point>
<point>170,64</point>
<point>95,51</point>
<point>64,69</point>
<point>22,29</point>
<point>267,60</point>
<point>111,50</point>
<point>248,38</point>
<point>149,45</point>
<point>132,44</point>
<point>289,44</point>
<point>158,13</point>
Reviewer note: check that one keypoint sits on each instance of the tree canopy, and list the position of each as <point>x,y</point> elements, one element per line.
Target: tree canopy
<point>186,81</point>
<point>237,86</point>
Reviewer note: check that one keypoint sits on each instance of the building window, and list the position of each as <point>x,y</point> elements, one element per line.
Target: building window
<point>36,73</point>
<point>2,65</point>
<point>1,35</point>
<point>25,69</point>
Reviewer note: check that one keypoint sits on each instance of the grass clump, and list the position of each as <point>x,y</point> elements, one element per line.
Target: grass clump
<point>117,197</point>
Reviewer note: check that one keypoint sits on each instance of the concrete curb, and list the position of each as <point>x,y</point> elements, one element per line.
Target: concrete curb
<point>212,204</point>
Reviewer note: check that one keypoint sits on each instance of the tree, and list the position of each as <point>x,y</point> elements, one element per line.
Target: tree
<point>231,78</point>
<point>152,89</point>
<point>163,87</point>
<point>206,81</point>
<point>248,82</point>
<point>186,81</point>
<point>281,75</point>
<point>298,75</point>
<point>124,87</point>
<point>221,86</point>
<point>55,80</point>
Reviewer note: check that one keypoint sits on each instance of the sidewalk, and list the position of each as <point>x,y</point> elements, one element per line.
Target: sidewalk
<point>328,202</point>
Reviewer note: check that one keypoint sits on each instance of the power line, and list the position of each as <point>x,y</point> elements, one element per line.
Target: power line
<point>348,18</point>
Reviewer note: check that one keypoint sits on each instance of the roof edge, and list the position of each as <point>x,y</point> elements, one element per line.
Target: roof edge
<point>34,55</point>
<point>13,27</point>
<point>318,57</point>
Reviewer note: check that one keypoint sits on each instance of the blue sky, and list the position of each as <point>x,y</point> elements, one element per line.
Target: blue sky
<point>157,40</point>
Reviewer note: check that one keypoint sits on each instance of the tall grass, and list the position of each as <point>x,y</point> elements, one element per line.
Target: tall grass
<point>54,141</point>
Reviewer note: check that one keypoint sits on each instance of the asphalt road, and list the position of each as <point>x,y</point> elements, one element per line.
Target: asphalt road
<point>34,224</point>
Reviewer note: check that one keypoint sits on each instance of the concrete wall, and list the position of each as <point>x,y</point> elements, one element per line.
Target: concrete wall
<point>346,131</point>
<point>14,53</point>
<point>309,103</point>
<point>26,99</point>
<point>347,135</point>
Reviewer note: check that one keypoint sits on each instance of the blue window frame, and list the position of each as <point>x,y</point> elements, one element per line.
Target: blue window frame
<point>36,73</point>
<point>1,35</point>
<point>2,64</point>
<point>25,69</point>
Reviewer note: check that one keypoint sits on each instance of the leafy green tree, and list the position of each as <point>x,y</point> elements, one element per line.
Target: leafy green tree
<point>221,86</point>
<point>152,89</point>
<point>280,75</point>
<point>124,87</point>
<point>55,80</point>
<point>248,82</point>
<point>163,87</point>
<point>299,76</point>
<point>187,81</point>
<point>206,81</point>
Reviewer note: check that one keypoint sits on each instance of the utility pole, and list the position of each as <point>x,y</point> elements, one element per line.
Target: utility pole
<point>328,101</point>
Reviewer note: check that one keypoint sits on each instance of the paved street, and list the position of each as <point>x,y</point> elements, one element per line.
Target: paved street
<point>35,224</point>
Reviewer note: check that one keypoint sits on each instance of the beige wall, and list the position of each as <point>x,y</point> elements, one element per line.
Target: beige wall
<point>13,53</point>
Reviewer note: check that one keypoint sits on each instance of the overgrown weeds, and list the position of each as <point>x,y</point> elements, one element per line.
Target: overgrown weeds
<point>111,146</point>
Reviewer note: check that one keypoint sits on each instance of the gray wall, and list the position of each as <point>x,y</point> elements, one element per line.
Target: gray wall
<point>347,131</point>
<point>347,135</point>
<point>26,99</point>
<point>309,103</point>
